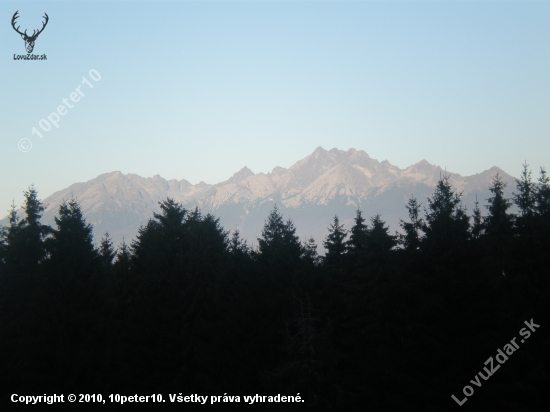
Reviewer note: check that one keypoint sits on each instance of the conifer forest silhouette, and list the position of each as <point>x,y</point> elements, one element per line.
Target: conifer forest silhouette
<point>383,321</point>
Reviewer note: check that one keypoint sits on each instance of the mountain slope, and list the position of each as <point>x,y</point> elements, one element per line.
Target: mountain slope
<point>311,192</point>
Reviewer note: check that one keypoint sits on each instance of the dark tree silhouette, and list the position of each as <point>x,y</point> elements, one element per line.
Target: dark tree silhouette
<point>542,196</point>
<point>526,197</point>
<point>106,252</point>
<point>498,222</point>
<point>499,225</point>
<point>237,245</point>
<point>9,242</point>
<point>411,239</point>
<point>186,309</point>
<point>446,224</point>
<point>3,246</point>
<point>477,224</point>
<point>279,246</point>
<point>25,238</point>
<point>335,243</point>
<point>309,254</point>
<point>156,245</point>
<point>71,247</point>
<point>123,258</point>
<point>378,242</point>
<point>356,245</point>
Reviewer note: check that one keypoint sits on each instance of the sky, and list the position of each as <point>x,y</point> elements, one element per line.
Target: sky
<point>197,90</point>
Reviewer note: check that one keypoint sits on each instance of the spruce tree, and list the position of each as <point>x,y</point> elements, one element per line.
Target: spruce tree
<point>237,245</point>
<point>541,227</point>
<point>542,195</point>
<point>106,251</point>
<point>71,247</point>
<point>498,222</point>
<point>122,261</point>
<point>411,239</point>
<point>378,241</point>
<point>499,225</point>
<point>525,199</point>
<point>477,225</point>
<point>356,244</point>
<point>3,245</point>
<point>309,254</point>
<point>205,243</point>
<point>446,224</point>
<point>11,248</point>
<point>279,244</point>
<point>240,255</point>
<point>25,238</point>
<point>335,244</point>
<point>158,243</point>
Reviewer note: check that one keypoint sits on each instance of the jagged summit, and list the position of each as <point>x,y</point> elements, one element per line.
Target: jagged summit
<point>241,174</point>
<point>278,169</point>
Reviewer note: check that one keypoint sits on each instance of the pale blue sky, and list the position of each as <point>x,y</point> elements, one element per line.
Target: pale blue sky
<point>197,90</point>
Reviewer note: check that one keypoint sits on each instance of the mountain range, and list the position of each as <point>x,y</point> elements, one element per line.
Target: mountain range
<point>310,192</point>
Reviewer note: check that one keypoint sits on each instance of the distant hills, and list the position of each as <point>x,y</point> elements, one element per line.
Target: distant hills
<point>310,192</point>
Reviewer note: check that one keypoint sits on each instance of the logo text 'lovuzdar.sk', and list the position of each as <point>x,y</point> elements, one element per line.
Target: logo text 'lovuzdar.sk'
<point>30,57</point>
<point>501,357</point>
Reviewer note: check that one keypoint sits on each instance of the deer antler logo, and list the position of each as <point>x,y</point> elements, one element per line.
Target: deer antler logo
<point>29,40</point>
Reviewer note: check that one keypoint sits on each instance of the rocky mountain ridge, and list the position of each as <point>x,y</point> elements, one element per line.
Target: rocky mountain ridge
<point>310,192</point>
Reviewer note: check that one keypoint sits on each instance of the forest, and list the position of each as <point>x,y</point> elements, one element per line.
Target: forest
<point>384,321</point>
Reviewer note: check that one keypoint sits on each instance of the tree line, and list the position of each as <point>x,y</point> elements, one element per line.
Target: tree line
<point>382,321</point>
